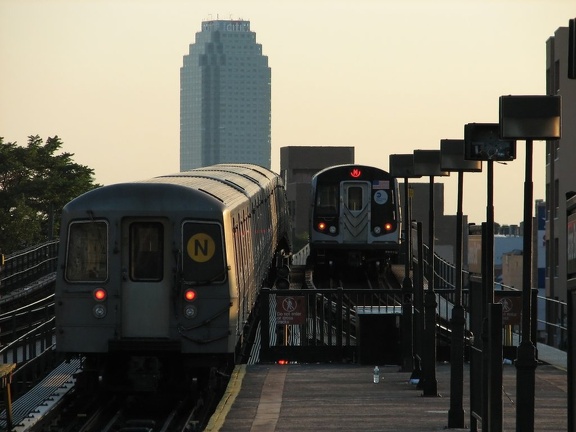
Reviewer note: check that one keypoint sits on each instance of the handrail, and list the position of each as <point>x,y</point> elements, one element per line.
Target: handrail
<point>443,268</point>
<point>24,267</point>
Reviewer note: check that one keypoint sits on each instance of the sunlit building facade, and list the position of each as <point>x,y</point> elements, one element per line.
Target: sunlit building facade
<point>225,98</point>
<point>560,156</point>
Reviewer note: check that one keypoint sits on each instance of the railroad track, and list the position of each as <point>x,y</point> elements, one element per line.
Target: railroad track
<point>76,411</point>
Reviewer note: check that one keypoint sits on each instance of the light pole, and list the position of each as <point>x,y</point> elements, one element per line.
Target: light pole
<point>452,160</point>
<point>528,118</point>
<point>402,165</point>
<point>427,163</point>
<point>482,142</point>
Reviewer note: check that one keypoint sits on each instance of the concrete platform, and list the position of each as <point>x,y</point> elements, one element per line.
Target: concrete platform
<point>343,397</point>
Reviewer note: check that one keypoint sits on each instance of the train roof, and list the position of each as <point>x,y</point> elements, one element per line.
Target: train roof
<point>344,170</point>
<point>214,187</point>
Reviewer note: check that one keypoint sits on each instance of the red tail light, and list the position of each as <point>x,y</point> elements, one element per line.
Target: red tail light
<point>190,295</point>
<point>100,294</point>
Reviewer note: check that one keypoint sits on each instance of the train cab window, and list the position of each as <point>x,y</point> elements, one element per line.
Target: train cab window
<point>87,252</point>
<point>354,198</point>
<point>146,251</point>
<point>327,197</point>
<point>204,254</point>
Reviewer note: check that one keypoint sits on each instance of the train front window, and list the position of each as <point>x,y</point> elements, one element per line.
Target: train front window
<point>87,252</point>
<point>203,245</point>
<point>327,199</point>
<point>146,251</point>
<point>354,201</point>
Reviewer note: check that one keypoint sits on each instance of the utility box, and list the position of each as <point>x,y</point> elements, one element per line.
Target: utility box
<point>379,335</point>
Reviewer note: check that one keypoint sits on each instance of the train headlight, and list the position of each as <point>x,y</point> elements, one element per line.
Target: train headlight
<point>332,229</point>
<point>321,226</point>
<point>190,311</point>
<point>99,294</point>
<point>377,230</point>
<point>99,311</point>
<point>388,226</point>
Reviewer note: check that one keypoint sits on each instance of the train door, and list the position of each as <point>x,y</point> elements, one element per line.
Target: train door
<point>355,211</point>
<point>145,277</point>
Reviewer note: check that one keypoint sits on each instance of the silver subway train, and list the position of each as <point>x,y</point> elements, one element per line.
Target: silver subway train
<point>158,278</point>
<point>354,218</point>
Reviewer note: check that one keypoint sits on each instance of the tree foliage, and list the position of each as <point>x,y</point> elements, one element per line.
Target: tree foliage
<point>35,184</point>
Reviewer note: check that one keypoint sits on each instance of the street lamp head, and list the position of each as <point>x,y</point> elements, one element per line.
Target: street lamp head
<point>530,117</point>
<point>402,165</point>
<point>452,157</point>
<point>427,164</point>
<point>483,143</point>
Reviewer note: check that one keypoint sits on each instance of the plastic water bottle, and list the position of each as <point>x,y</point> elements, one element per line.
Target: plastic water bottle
<point>376,375</point>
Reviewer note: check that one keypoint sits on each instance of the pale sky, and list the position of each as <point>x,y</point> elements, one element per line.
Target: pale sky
<point>384,76</point>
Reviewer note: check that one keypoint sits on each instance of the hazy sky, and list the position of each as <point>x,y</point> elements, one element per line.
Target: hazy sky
<point>384,76</point>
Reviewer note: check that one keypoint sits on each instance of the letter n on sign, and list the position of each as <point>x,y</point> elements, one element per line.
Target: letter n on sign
<point>290,310</point>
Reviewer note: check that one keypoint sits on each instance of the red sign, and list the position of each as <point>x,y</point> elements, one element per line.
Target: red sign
<point>511,307</point>
<point>290,310</point>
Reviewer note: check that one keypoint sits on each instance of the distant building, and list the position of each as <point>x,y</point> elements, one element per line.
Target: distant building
<point>512,268</point>
<point>444,225</point>
<point>297,166</point>
<point>225,98</point>
<point>560,156</point>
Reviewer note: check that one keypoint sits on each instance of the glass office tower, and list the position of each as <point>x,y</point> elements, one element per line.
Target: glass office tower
<point>224,98</point>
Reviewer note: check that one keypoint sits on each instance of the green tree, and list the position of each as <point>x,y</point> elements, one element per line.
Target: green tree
<point>35,184</point>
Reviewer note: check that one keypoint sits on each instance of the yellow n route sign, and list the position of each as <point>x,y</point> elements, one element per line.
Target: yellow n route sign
<point>201,247</point>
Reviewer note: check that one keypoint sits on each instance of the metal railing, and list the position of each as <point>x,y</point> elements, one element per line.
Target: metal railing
<point>551,331</point>
<point>28,266</point>
<point>27,339</point>
<point>325,324</point>
<point>26,331</point>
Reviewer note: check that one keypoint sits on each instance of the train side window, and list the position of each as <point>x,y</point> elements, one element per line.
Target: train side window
<point>354,198</point>
<point>146,251</point>
<point>87,252</point>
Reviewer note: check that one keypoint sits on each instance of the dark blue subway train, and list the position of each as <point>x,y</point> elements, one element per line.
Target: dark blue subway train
<point>157,278</point>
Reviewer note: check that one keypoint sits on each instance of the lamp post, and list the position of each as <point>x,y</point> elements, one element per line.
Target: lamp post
<point>427,163</point>
<point>482,142</point>
<point>528,118</point>
<point>452,160</point>
<point>402,165</point>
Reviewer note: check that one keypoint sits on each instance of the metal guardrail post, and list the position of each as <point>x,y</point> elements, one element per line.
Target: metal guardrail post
<point>6,371</point>
<point>494,374</point>
<point>418,301</point>
<point>265,326</point>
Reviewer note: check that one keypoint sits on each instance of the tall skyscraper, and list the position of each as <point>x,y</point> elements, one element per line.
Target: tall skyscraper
<point>225,98</point>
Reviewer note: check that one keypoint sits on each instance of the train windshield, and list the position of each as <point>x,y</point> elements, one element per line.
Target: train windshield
<point>146,251</point>
<point>87,252</point>
<point>327,197</point>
